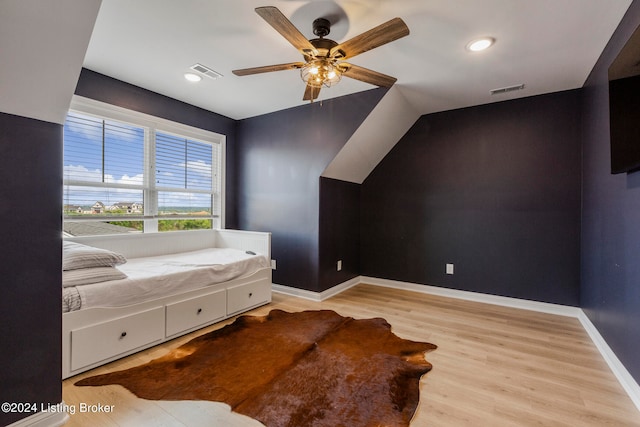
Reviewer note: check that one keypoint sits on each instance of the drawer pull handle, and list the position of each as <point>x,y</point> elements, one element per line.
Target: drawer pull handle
<point>199,311</point>
<point>250,294</point>
<point>122,335</point>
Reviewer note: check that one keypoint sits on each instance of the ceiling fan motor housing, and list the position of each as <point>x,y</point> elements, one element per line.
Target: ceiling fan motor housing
<point>321,27</point>
<point>323,46</point>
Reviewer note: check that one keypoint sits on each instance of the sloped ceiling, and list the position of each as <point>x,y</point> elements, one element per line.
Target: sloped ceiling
<point>42,48</point>
<point>386,124</point>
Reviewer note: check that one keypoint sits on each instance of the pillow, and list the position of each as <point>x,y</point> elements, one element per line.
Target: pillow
<point>85,276</point>
<point>76,255</point>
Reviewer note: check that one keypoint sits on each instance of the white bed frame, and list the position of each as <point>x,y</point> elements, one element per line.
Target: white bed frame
<point>95,336</point>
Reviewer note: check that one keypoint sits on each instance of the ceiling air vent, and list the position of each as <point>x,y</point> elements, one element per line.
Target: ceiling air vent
<point>507,89</point>
<point>206,71</point>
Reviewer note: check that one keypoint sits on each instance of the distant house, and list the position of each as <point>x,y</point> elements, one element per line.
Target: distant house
<point>97,208</point>
<point>73,208</point>
<point>120,206</point>
<point>128,207</point>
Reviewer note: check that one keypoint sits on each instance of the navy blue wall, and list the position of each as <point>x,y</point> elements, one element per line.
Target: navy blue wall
<point>280,159</point>
<point>339,231</point>
<point>31,254</point>
<point>494,190</point>
<point>115,92</point>
<point>610,285</point>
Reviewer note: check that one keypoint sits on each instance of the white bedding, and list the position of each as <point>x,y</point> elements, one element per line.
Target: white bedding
<point>158,276</point>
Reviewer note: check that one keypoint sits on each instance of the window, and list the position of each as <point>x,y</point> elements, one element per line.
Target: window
<point>126,172</point>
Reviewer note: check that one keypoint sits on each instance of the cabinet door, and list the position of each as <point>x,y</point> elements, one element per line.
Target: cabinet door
<point>194,312</point>
<point>103,341</point>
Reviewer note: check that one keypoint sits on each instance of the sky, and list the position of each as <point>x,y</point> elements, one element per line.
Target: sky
<point>181,164</point>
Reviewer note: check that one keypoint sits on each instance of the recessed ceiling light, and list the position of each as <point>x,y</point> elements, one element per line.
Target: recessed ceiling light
<point>192,77</point>
<point>480,44</point>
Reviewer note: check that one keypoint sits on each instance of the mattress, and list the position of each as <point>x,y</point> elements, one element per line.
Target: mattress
<point>150,278</point>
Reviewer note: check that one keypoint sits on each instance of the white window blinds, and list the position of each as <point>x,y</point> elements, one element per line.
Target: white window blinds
<point>139,177</point>
<point>186,174</point>
<point>103,165</point>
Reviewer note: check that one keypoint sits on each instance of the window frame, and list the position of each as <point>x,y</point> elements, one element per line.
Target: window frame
<point>153,124</point>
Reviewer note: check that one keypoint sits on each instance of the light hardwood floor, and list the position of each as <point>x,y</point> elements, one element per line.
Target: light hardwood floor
<point>494,366</point>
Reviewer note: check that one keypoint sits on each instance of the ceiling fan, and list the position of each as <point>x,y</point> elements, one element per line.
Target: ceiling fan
<point>323,57</point>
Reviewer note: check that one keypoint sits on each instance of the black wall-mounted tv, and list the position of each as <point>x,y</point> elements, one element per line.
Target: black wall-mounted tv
<point>624,107</point>
<point>624,117</point>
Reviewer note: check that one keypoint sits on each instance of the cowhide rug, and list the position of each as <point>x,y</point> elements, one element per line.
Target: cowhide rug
<point>312,368</point>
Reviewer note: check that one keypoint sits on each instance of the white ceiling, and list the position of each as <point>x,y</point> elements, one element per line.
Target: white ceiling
<point>549,45</point>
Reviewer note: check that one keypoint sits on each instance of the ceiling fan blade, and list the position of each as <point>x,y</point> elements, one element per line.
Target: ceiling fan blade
<point>375,37</point>
<point>311,93</point>
<point>281,24</point>
<point>366,75</point>
<point>268,68</point>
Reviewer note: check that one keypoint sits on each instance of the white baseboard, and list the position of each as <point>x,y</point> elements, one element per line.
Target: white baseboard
<point>543,307</point>
<point>316,296</point>
<point>623,376</point>
<point>295,292</point>
<point>44,419</point>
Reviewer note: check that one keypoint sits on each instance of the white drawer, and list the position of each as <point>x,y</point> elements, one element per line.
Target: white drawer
<point>242,297</point>
<point>102,341</point>
<point>193,312</point>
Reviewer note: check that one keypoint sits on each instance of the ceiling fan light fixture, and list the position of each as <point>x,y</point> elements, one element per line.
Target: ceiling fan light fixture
<point>321,72</point>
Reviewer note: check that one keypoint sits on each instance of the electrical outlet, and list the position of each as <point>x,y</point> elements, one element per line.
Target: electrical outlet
<point>449,268</point>
<point>339,265</point>
<point>273,264</point>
